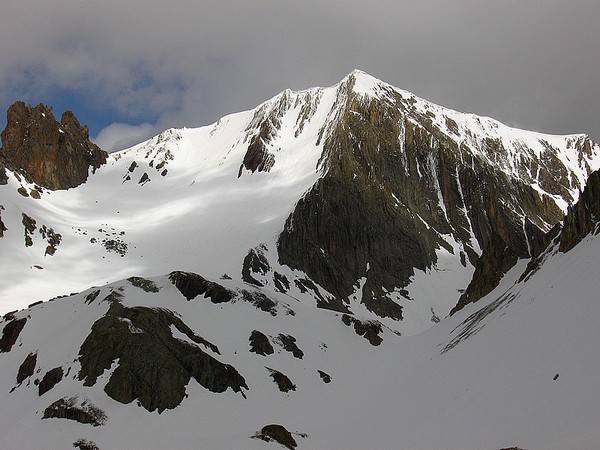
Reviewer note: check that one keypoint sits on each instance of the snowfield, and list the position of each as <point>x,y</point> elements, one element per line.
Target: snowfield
<point>519,368</point>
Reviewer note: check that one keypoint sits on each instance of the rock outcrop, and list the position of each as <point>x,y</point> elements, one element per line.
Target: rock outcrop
<point>154,367</point>
<point>583,217</point>
<point>54,155</point>
<point>277,433</point>
<point>398,182</point>
<point>10,334</point>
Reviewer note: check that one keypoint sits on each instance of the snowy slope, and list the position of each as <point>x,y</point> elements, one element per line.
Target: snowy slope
<point>185,201</point>
<point>517,369</point>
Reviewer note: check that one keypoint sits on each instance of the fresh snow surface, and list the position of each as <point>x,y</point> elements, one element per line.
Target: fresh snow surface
<point>200,217</point>
<point>517,369</point>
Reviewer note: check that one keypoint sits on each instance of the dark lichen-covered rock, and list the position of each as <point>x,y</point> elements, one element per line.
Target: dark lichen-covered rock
<point>144,284</point>
<point>497,258</point>
<point>116,246</point>
<point>52,238</point>
<point>84,444</point>
<point>30,226</point>
<point>260,300</point>
<point>258,157</point>
<point>288,342</point>
<point>283,382</point>
<point>3,175</point>
<point>27,367</point>
<point>153,366</point>
<point>191,285</point>
<point>69,408</point>
<point>51,379</point>
<point>255,262</point>
<point>2,226</point>
<point>282,284</point>
<point>92,296</point>
<point>277,433</point>
<point>323,301</point>
<point>11,333</point>
<point>51,154</point>
<point>324,376</point>
<point>259,344</point>
<point>369,329</point>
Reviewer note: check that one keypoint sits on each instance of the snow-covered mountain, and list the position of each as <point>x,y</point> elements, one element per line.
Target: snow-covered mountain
<point>268,269</point>
<point>361,196</point>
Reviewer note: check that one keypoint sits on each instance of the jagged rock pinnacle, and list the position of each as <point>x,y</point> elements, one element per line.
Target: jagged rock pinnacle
<point>54,155</point>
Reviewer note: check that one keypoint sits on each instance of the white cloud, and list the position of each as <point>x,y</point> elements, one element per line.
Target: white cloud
<point>118,136</point>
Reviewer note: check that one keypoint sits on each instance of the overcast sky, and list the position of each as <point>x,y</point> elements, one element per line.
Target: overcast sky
<point>130,69</point>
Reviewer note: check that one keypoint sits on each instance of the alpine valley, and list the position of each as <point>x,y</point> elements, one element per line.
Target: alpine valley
<point>347,267</point>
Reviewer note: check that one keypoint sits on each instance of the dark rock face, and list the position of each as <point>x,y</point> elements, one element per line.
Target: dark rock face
<point>260,301</point>
<point>255,262</point>
<point>370,330</point>
<point>257,157</point>
<point>279,434</point>
<point>262,129</point>
<point>29,224</point>
<point>68,408</point>
<point>3,175</point>
<point>51,379</point>
<point>51,154</point>
<point>288,342</point>
<point>325,376</point>
<point>154,367</point>
<point>191,285</point>
<point>283,382</point>
<point>143,284</point>
<point>497,258</point>
<point>583,217</point>
<point>2,226</point>
<point>323,301</point>
<point>10,334</point>
<point>259,344</point>
<point>27,367</point>
<point>84,444</point>
<point>394,185</point>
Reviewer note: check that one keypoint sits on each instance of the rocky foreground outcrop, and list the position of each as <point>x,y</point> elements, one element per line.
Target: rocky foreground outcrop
<point>54,155</point>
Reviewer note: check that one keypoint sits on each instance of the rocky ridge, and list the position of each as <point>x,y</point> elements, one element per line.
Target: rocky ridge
<point>53,155</point>
<point>404,178</point>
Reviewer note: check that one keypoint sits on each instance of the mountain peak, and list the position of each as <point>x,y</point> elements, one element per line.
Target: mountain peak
<point>362,83</point>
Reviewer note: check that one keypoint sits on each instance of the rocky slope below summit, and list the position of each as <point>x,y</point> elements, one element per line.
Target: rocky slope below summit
<point>405,178</point>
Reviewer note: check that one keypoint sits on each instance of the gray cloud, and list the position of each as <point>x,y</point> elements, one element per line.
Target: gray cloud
<point>532,64</point>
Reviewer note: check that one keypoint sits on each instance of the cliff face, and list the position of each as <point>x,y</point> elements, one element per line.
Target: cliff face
<point>403,180</point>
<point>583,217</point>
<point>54,155</point>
